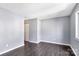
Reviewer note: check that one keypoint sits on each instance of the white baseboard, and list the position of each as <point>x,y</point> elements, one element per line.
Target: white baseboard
<point>34,42</point>
<point>50,42</point>
<point>73,50</point>
<point>11,49</point>
<point>55,43</point>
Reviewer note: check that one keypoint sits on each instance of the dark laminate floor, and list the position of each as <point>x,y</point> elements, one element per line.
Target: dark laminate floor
<point>41,49</point>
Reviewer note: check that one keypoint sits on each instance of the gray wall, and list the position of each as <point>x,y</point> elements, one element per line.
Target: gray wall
<point>56,30</point>
<point>11,30</point>
<point>74,41</point>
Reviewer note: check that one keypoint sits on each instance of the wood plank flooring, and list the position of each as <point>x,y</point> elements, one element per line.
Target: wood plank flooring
<point>41,49</point>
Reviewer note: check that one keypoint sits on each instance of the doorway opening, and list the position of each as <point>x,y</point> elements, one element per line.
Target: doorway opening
<point>26,32</point>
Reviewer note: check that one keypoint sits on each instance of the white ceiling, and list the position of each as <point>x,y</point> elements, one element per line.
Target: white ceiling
<point>39,10</point>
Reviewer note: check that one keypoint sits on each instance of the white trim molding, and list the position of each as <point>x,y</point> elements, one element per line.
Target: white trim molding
<point>49,42</point>
<point>38,29</point>
<point>36,42</point>
<point>76,25</point>
<point>55,43</point>
<point>74,51</point>
<point>11,49</point>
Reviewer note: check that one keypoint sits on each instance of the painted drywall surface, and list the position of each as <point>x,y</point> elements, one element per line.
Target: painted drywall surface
<point>56,30</point>
<point>11,30</point>
<point>74,40</point>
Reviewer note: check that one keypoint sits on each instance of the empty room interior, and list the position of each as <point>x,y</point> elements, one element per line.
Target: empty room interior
<point>39,29</point>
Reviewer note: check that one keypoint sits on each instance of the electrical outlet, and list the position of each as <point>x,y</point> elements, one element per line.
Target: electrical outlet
<point>7,45</point>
